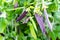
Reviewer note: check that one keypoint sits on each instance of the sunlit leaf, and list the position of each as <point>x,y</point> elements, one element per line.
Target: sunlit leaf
<point>3,24</point>
<point>32,31</point>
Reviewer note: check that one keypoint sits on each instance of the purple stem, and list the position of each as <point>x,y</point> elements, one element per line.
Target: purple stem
<point>22,16</point>
<point>40,22</point>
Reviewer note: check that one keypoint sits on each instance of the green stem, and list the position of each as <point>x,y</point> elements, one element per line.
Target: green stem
<point>14,9</point>
<point>34,25</point>
<point>32,30</point>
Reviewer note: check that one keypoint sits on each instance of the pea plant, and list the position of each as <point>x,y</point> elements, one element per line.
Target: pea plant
<point>29,19</point>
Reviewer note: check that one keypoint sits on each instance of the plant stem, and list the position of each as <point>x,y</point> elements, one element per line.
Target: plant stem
<point>34,25</point>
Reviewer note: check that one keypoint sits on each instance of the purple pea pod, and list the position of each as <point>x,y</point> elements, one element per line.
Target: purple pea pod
<point>47,19</point>
<point>22,16</point>
<point>40,22</point>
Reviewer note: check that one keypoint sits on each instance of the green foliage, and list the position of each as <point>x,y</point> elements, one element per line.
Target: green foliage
<point>30,30</point>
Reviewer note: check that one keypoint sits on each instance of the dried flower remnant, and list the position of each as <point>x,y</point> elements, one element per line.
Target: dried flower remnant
<point>22,16</point>
<point>40,22</point>
<point>16,5</point>
<point>27,19</point>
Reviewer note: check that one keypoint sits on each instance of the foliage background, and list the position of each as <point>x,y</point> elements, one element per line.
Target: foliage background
<point>12,30</point>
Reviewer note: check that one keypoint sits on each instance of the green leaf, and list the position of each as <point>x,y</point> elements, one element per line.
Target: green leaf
<point>21,36</point>
<point>33,22</point>
<point>57,28</point>
<point>57,16</point>
<point>58,35</point>
<point>52,7</point>
<point>1,38</point>
<point>32,31</point>
<point>52,35</point>
<point>3,24</point>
